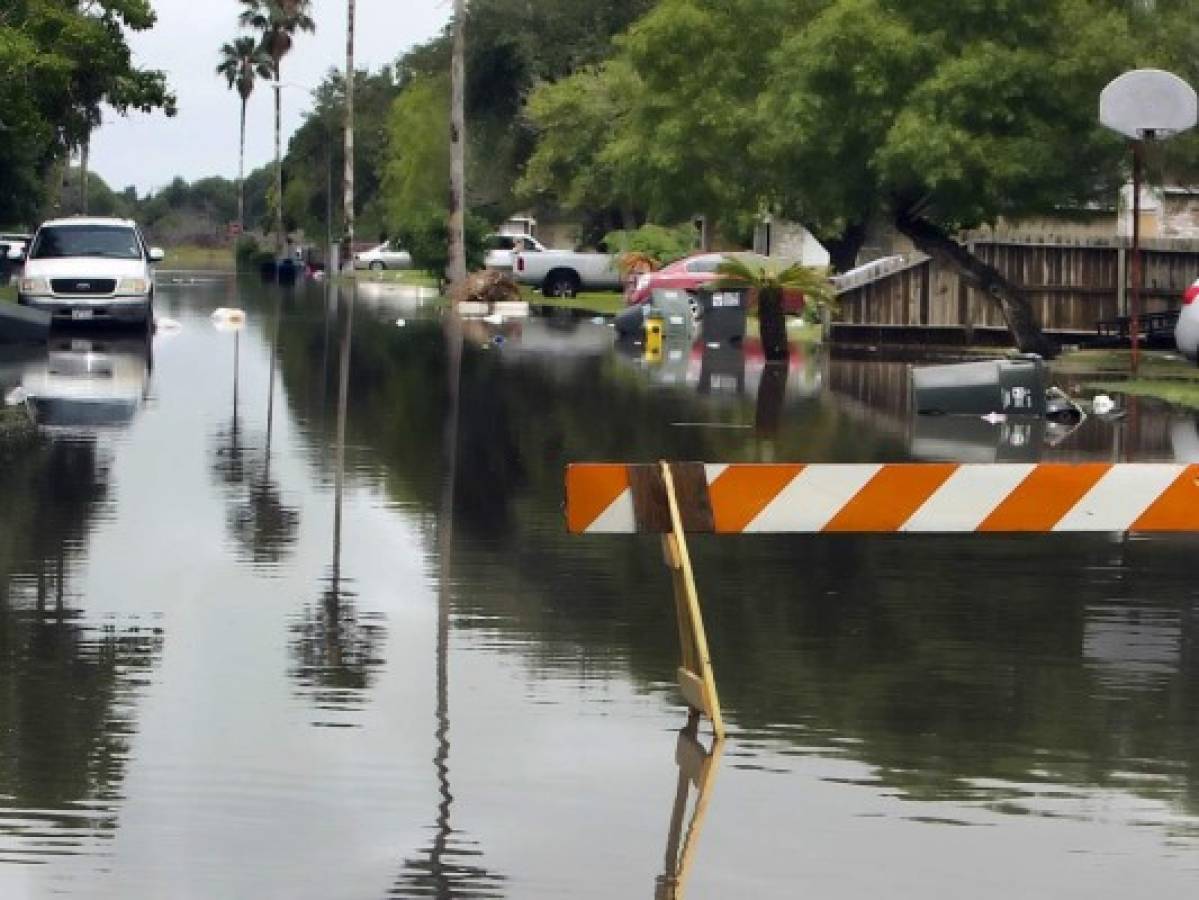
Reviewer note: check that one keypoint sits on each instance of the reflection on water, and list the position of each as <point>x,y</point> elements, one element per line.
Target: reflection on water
<point>87,382</point>
<point>69,683</point>
<point>328,519</point>
<point>335,647</point>
<point>450,866</point>
<point>697,769</point>
<point>262,524</point>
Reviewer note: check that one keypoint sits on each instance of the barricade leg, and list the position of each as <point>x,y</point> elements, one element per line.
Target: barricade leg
<point>696,680</point>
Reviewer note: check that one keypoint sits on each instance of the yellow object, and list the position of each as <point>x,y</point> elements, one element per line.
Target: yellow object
<point>653,338</point>
<point>696,679</point>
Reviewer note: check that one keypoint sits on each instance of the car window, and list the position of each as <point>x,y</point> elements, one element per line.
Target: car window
<point>109,241</point>
<point>705,265</point>
<point>501,242</point>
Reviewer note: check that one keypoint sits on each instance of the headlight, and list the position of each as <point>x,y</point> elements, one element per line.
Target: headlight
<point>34,286</point>
<point>642,282</point>
<point>133,286</point>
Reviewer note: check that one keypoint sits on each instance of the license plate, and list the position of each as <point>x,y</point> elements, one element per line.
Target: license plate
<point>81,314</point>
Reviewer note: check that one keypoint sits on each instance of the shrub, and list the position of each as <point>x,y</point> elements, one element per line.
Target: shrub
<point>656,243</point>
<point>426,235</point>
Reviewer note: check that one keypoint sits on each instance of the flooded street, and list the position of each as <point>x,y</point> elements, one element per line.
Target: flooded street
<point>255,642</point>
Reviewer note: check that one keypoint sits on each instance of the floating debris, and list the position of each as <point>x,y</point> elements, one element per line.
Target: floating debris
<point>401,323</point>
<point>227,319</point>
<point>1102,404</point>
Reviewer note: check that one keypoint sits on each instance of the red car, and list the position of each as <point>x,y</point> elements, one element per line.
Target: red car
<point>693,272</point>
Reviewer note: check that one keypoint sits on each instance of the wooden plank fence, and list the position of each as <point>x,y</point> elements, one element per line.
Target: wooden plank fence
<point>1072,284</point>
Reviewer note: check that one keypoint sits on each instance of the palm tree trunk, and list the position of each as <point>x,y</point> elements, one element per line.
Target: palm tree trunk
<point>772,325</point>
<point>348,199</point>
<point>278,167</point>
<point>457,223</point>
<point>241,174</point>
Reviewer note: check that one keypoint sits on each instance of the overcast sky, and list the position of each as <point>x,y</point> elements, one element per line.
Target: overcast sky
<point>149,150</point>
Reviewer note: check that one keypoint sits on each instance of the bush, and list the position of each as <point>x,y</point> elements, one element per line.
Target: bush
<point>248,254</point>
<point>426,235</point>
<point>654,242</point>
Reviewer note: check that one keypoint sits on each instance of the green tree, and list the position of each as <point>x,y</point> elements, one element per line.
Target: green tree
<point>277,21</point>
<point>61,63</point>
<point>243,61</point>
<point>942,115</point>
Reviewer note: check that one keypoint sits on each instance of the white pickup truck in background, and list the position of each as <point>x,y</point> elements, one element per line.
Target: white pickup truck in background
<point>563,273</point>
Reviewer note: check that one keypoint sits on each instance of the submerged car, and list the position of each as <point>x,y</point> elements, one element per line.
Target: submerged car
<point>692,273</point>
<point>1186,332</point>
<point>387,255</point>
<point>90,269</point>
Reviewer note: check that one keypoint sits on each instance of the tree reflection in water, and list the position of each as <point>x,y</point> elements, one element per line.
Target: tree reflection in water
<point>336,651</point>
<point>262,525</point>
<point>69,685</point>
<point>447,868</point>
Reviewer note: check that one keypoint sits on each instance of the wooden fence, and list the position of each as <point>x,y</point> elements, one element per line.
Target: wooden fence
<point>1071,284</point>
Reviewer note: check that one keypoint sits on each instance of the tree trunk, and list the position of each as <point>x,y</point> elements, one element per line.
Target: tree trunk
<point>348,182</point>
<point>1020,319</point>
<point>278,168</point>
<point>83,151</point>
<point>844,248</point>
<point>457,219</point>
<point>241,174</point>
<point>772,325</point>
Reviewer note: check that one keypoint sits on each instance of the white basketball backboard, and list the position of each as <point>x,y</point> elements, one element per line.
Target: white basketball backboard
<point>1148,104</point>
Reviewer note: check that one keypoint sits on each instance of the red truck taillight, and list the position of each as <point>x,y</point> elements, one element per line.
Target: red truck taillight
<point>520,264</point>
<point>1191,295</point>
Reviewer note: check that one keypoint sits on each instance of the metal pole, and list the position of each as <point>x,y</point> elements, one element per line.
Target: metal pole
<point>1134,331</point>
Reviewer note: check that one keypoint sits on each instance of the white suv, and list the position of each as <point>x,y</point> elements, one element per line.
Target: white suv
<point>90,269</point>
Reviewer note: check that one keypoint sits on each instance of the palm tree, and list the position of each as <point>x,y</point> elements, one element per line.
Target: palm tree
<point>767,283</point>
<point>242,62</point>
<point>277,21</point>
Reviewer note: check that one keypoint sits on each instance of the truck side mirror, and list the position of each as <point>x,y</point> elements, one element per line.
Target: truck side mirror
<point>157,254</point>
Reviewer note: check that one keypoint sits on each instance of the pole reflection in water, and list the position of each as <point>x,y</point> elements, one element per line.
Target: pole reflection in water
<point>440,872</point>
<point>697,768</point>
<point>263,527</point>
<point>336,651</point>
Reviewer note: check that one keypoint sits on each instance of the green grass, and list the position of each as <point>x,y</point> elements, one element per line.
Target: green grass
<point>1176,393</point>
<point>602,303</point>
<point>1154,364</point>
<point>410,277</point>
<point>8,293</point>
<point>187,256</point>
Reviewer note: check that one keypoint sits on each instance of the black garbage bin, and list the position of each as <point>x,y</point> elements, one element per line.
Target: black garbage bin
<point>1007,386</point>
<point>724,315</point>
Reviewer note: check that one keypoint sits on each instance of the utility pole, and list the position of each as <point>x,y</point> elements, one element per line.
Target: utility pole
<point>457,223</point>
<point>348,185</point>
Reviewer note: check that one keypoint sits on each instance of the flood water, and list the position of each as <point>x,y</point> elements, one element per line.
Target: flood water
<point>290,612</point>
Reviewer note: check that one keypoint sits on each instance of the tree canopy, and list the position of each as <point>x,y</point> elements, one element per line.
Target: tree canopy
<point>61,62</point>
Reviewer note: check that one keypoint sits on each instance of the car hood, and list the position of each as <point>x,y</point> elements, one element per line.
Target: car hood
<point>83,267</point>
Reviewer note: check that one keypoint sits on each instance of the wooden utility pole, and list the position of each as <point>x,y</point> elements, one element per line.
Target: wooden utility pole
<point>348,181</point>
<point>457,222</point>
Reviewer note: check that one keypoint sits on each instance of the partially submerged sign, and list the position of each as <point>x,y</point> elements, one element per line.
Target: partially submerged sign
<point>1148,104</point>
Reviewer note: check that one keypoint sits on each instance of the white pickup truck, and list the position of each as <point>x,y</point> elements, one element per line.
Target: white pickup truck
<point>563,273</point>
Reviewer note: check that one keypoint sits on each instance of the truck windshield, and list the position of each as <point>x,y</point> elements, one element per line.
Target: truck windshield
<point>108,241</point>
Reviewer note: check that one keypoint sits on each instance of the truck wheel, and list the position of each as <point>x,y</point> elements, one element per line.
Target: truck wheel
<point>378,266</point>
<point>561,284</point>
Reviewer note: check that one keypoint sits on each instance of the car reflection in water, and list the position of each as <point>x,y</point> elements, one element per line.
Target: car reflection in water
<point>93,382</point>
